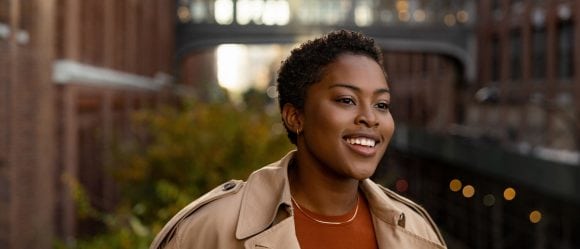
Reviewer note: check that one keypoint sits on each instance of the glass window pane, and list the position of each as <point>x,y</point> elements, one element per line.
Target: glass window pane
<point>4,11</point>
<point>495,57</point>
<point>539,53</point>
<point>495,5</point>
<point>516,55</point>
<point>565,50</point>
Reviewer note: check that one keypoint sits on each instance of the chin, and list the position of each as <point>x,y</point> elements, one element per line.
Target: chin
<point>363,174</point>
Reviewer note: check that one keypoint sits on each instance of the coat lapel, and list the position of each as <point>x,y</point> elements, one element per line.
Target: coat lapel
<point>266,199</point>
<point>266,219</point>
<point>281,235</point>
<point>390,221</point>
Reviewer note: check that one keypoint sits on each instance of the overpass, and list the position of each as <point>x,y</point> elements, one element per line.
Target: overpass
<point>431,27</point>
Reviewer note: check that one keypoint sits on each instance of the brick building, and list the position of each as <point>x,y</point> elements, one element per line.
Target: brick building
<point>71,73</point>
<point>529,61</point>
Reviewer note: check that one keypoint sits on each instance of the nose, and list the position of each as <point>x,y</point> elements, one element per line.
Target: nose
<point>366,116</point>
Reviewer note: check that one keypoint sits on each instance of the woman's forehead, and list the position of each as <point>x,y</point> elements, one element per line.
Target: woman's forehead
<point>355,68</point>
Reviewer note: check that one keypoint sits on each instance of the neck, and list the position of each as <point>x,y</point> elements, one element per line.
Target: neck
<point>321,191</point>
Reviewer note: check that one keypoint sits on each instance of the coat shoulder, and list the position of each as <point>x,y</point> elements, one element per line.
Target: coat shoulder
<point>417,211</point>
<point>223,191</point>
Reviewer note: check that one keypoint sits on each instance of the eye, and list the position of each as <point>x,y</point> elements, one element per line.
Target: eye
<point>383,106</point>
<point>346,100</point>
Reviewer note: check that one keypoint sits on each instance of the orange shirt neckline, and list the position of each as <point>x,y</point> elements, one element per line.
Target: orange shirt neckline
<point>359,233</point>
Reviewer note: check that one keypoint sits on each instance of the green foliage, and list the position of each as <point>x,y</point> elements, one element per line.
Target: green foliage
<point>179,154</point>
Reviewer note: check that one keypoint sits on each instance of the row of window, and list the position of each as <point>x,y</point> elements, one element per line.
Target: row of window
<point>539,49</point>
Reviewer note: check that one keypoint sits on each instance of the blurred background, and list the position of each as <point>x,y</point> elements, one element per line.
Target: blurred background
<point>114,114</point>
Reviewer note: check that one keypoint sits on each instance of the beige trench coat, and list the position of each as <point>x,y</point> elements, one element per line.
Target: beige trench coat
<point>258,214</point>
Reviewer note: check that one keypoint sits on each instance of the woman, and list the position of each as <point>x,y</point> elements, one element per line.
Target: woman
<point>334,100</point>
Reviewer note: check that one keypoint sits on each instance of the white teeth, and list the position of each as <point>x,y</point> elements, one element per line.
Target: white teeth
<point>361,141</point>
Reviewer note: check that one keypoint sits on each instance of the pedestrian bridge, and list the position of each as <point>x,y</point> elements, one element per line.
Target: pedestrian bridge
<point>402,25</point>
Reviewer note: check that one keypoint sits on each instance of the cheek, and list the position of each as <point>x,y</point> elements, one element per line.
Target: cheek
<point>389,127</point>
<point>326,118</point>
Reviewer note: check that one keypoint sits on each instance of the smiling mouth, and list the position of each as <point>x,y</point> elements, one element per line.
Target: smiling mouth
<point>363,141</point>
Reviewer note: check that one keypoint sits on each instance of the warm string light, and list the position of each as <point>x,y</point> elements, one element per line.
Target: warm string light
<point>455,185</point>
<point>468,191</point>
<point>535,216</point>
<point>489,200</point>
<point>509,194</point>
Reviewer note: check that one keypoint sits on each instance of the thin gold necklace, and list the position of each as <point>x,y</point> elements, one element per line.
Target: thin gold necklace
<point>326,222</point>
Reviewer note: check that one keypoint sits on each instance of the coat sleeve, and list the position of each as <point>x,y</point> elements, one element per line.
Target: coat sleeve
<point>164,238</point>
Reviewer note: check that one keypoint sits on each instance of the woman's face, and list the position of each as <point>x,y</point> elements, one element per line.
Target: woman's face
<point>346,122</point>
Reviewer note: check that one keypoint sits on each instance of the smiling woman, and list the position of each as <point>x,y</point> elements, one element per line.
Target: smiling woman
<point>334,99</point>
<point>342,114</point>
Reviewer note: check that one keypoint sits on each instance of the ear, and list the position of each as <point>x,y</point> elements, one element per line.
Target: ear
<point>292,117</point>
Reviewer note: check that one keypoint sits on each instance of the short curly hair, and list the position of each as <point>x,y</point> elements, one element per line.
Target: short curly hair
<point>306,64</point>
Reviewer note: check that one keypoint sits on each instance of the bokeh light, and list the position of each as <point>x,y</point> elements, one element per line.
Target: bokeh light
<point>404,16</point>
<point>363,15</point>
<point>489,200</point>
<point>449,20</point>
<point>455,185</point>
<point>419,15</point>
<point>183,14</point>
<point>402,5</point>
<point>462,16</point>
<point>224,12</point>
<point>468,191</point>
<point>402,185</point>
<point>231,67</point>
<point>509,194</point>
<point>535,216</point>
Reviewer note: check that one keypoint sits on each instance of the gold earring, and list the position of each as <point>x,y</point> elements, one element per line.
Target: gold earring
<point>297,132</point>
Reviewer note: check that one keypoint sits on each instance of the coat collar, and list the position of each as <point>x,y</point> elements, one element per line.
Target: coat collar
<point>382,206</point>
<point>282,235</point>
<point>267,190</point>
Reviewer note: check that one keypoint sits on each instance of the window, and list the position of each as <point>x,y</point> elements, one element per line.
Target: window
<point>496,10</point>
<point>4,27</point>
<point>539,53</point>
<point>495,59</point>
<point>425,59</point>
<point>4,11</point>
<point>495,5</point>
<point>516,55</point>
<point>517,6</point>
<point>565,50</point>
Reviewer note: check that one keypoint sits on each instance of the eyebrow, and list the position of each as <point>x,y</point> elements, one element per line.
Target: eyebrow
<point>356,89</point>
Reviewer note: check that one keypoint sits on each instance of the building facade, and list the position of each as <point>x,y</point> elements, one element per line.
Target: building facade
<point>71,74</point>
<point>529,61</point>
